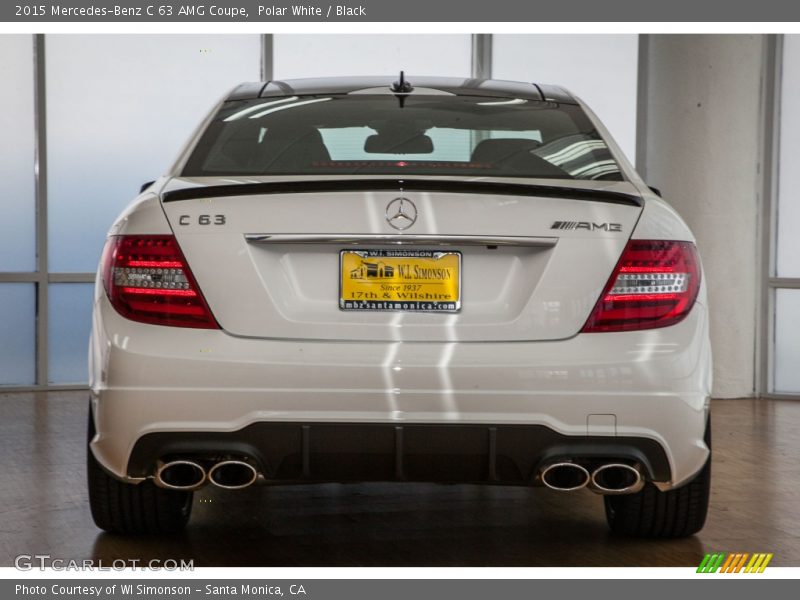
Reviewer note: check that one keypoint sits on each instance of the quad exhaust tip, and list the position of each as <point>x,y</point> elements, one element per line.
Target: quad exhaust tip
<point>184,475</point>
<point>565,476</point>
<point>233,474</point>
<point>617,478</point>
<point>608,479</point>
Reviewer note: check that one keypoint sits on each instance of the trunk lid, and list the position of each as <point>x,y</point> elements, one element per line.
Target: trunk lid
<point>533,258</point>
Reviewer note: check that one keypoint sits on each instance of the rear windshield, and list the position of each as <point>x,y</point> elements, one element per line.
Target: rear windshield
<point>396,135</point>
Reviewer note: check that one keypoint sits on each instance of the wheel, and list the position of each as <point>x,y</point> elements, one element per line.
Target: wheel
<point>672,514</point>
<point>130,508</point>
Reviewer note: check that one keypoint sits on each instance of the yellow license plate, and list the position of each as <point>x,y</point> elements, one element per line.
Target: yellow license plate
<point>405,280</point>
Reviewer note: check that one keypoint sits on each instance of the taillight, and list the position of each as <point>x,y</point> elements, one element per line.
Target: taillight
<point>654,284</point>
<point>147,279</point>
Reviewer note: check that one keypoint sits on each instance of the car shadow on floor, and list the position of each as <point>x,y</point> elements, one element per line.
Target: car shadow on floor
<point>393,524</point>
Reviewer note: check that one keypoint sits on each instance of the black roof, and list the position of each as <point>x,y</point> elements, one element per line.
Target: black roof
<point>452,85</point>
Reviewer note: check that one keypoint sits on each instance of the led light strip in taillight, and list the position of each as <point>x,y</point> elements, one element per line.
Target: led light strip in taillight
<point>654,284</point>
<point>635,285</point>
<point>162,278</point>
<point>148,280</point>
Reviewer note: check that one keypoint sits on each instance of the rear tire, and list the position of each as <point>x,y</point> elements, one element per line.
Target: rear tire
<point>655,514</point>
<point>130,508</point>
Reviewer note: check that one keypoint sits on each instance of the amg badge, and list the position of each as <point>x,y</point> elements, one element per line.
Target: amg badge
<point>586,225</point>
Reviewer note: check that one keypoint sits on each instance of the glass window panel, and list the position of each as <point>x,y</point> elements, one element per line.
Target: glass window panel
<point>347,143</point>
<point>119,109</point>
<point>372,134</point>
<point>600,69</point>
<point>787,341</point>
<point>17,332</point>
<point>17,226</point>
<point>332,55</point>
<point>788,250</point>
<point>70,322</point>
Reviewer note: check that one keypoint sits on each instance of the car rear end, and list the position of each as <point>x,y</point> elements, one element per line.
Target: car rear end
<point>442,284</point>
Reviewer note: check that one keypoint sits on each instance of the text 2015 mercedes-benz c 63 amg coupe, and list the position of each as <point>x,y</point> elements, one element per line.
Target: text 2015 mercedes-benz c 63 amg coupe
<point>361,279</point>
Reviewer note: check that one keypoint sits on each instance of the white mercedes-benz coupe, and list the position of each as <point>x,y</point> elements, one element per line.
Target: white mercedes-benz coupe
<point>441,280</point>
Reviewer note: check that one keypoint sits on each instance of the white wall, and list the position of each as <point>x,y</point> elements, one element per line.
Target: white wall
<point>788,248</point>
<point>787,341</point>
<point>702,151</point>
<point>600,69</point>
<point>787,252</point>
<point>320,55</point>
<point>17,199</point>
<point>17,235</point>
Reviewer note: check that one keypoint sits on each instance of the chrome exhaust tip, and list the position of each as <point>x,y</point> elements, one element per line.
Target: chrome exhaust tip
<point>565,476</point>
<point>617,478</point>
<point>233,474</point>
<point>184,475</point>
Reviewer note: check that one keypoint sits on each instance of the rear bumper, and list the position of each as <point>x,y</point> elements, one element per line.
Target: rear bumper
<point>641,390</point>
<point>295,452</point>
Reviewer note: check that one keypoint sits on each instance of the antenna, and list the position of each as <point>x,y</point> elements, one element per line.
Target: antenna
<point>401,86</point>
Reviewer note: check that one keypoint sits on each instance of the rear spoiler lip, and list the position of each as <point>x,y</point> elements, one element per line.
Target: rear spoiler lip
<point>398,185</point>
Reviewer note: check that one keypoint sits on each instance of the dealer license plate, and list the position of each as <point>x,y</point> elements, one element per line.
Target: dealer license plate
<point>400,280</point>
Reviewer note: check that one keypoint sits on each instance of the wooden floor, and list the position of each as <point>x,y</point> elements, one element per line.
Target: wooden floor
<point>43,507</point>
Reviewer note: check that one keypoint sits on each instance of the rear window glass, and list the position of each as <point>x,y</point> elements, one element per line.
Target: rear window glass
<point>395,135</point>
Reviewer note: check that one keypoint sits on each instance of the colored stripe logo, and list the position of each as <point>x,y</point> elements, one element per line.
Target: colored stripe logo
<point>734,562</point>
<point>564,225</point>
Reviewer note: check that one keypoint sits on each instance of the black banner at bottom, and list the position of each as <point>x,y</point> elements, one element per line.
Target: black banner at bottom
<point>373,589</point>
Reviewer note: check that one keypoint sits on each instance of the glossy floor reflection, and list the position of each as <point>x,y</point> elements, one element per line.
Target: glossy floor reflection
<point>44,510</point>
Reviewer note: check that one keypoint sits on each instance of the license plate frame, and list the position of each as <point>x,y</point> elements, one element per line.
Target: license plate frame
<point>439,293</point>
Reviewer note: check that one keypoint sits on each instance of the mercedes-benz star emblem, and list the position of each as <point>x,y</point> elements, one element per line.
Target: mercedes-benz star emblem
<point>401,213</point>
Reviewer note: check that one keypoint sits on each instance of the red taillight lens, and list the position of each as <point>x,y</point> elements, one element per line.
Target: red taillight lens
<point>654,284</point>
<point>147,279</point>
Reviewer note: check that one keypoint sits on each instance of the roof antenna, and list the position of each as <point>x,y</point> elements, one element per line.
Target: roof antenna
<point>401,86</point>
